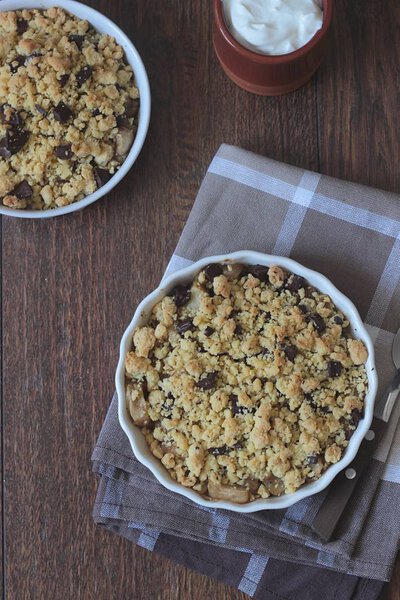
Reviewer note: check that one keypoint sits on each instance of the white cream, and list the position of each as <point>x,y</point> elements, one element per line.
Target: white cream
<point>273,26</point>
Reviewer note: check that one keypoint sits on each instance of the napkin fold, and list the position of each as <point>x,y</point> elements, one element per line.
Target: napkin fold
<point>351,234</point>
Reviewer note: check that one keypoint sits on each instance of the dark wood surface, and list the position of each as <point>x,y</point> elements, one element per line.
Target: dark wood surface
<point>70,285</point>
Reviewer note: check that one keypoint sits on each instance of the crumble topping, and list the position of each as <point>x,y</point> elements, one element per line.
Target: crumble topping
<point>68,111</point>
<point>246,383</point>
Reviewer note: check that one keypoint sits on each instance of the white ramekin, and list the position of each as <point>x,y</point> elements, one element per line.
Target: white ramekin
<point>103,25</point>
<point>136,438</point>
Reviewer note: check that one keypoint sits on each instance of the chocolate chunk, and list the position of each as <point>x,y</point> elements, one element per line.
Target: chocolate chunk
<point>208,331</point>
<point>184,326</point>
<point>346,331</point>
<point>309,291</point>
<point>145,389</point>
<point>334,368</point>
<point>22,26</point>
<point>131,107</point>
<point>219,451</point>
<point>312,459</point>
<point>40,110</point>
<point>62,112</point>
<point>319,322</point>
<point>349,433</point>
<point>3,118</point>
<point>338,320</point>
<point>290,352</point>
<point>4,151</point>
<point>181,294</point>
<point>63,152</point>
<point>95,112</point>
<point>236,409</point>
<point>265,352</point>
<point>267,316</point>
<point>63,79</point>
<point>101,176</point>
<point>14,119</point>
<point>356,416</point>
<point>83,75</point>
<point>14,140</point>
<point>233,400</point>
<point>16,63</point>
<point>122,122</point>
<point>23,190</point>
<point>311,401</point>
<point>258,271</point>
<point>76,39</point>
<point>325,410</point>
<point>212,271</point>
<point>303,308</point>
<point>238,330</point>
<point>208,381</point>
<point>295,283</point>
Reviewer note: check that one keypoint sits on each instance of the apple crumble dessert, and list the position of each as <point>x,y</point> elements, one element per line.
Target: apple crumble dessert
<point>68,108</point>
<point>246,382</point>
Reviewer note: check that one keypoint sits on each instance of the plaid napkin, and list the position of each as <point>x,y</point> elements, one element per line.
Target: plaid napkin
<point>351,234</point>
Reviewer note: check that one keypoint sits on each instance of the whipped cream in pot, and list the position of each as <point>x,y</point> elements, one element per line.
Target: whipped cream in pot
<point>273,26</point>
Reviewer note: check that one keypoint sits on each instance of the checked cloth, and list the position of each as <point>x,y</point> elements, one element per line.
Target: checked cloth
<point>351,234</point>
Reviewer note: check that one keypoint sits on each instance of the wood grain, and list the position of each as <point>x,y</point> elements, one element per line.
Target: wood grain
<point>69,286</point>
<point>2,538</point>
<point>358,95</point>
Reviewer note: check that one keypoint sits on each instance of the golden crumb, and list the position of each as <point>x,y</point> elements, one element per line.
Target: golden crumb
<point>250,383</point>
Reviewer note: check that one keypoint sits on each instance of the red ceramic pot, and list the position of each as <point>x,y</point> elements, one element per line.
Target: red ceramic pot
<point>269,75</point>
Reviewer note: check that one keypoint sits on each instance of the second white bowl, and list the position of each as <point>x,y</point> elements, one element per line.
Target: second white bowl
<point>136,438</point>
<point>103,25</point>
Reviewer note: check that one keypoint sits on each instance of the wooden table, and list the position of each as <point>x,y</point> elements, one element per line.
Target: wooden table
<point>69,286</point>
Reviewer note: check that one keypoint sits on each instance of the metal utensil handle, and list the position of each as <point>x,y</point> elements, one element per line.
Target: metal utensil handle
<point>341,489</point>
<point>384,405</point>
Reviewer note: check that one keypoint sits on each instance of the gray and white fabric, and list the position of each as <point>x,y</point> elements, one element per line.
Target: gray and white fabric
<point>351,234</point>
